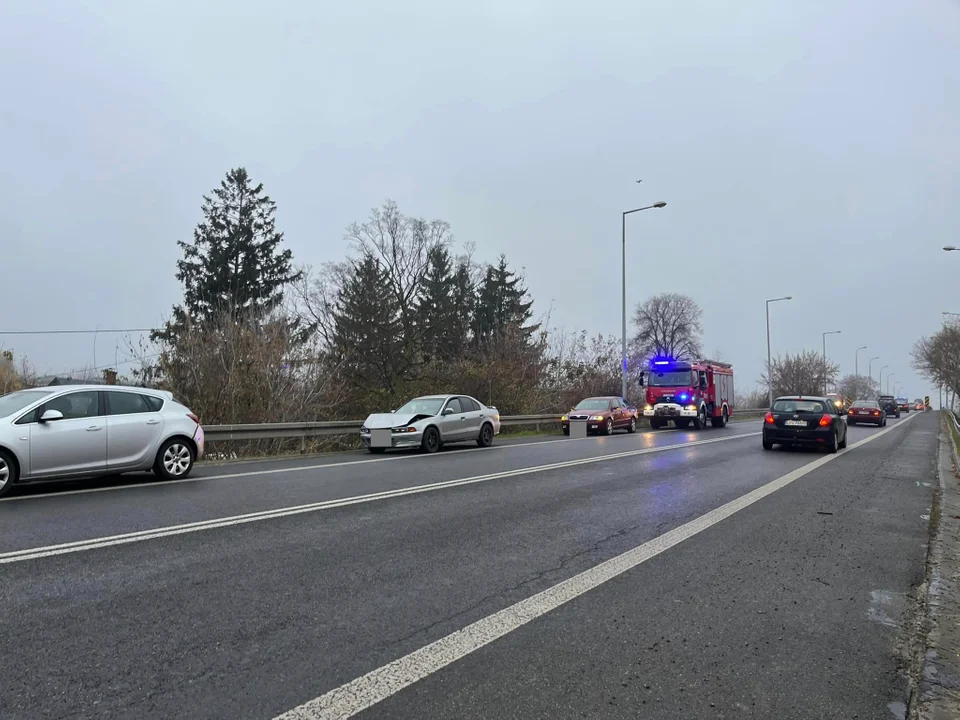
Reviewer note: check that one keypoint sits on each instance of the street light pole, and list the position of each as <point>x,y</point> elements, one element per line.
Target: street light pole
<point>880,381</point>
<point>829,332</point>
<point>856,361</point>
<point>889,375</point>
<point>870,369</point>
<point>623,365</point>
<point>769,366</point>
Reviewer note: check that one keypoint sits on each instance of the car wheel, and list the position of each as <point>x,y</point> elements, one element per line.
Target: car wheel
<point>720,421</point>
<point>633,426</point>
<point>700,421</point>
<point>431,440</point>
<point>843,443</point>
<point>767,445</point>
<point>377,451</point>
<point>608,428</point>
<point>486,436</point>
<point>174,459</point>
<point>566,431</point>
<point>833,446</point>
<point>8,472</point>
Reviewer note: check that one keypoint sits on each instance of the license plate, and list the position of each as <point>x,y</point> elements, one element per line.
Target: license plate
<point>864,412</point>
<point>381,438</point>
<point>796,423</point>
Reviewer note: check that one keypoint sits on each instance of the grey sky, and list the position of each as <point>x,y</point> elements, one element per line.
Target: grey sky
<point>805,148</point>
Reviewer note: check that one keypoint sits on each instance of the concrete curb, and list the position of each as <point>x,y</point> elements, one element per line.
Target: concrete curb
<point>938,691</point>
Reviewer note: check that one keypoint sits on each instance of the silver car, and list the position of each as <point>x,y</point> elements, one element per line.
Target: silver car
<point>430,422</point>
<point>84,430</point>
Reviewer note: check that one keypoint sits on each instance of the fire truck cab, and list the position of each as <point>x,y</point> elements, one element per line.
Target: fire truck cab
<point>688,392</point>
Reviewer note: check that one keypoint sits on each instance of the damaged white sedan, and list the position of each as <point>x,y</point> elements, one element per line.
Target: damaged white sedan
<point>430,422</point>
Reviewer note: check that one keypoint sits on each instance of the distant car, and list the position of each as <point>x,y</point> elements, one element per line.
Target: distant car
<point>603,415</point>
<point>866,411</point>
<point>904,404</point>
<point>75,431</point>
<point>838,400</point>
<point>431,422</point>
<point>798,420</point>
<point>919,405</point>
<point>888,403</point>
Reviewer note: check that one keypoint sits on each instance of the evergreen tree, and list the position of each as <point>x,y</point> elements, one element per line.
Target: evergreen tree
<point>502,302</point>
<point>234,264</point>
<point>464,303</point>
<point>436,310</point>
<point>367,326</point>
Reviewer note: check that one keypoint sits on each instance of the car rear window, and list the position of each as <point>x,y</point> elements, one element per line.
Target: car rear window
<point>155,403</point>
<point>798,406</point>
<point>867,403</point>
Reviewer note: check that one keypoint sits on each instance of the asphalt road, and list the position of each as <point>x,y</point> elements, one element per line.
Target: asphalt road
<point>660,575</point>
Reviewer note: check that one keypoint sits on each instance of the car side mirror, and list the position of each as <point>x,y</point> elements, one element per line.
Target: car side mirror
<point>51,415</point>
<point>448,411</point>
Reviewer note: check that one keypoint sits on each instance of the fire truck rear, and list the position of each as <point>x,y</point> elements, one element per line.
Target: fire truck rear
<point>688,392</point>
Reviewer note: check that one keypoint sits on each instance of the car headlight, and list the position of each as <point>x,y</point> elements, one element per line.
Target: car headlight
<point>410,429</point>
<point>691,407</point>
<point>598,418</point>
<point>563,418</point>
<point>648,406</point>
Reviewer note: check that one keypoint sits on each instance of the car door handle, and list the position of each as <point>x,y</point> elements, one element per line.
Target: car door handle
<point>93,428</point>
<point>153,422</point>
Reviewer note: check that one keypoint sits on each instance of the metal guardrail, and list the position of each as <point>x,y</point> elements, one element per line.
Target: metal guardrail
<point>272,431</point>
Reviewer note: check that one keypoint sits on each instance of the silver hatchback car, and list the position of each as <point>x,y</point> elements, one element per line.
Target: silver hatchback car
<point>84,430</point>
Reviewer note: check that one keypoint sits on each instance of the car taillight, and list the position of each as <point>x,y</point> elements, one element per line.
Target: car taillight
<point>876,412</point>
<point>194,418</point>
<point>769,418</point>
<point>825,420</point>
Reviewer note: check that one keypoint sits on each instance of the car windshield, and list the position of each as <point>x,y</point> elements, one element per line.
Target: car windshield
<point>16,401</point>
<point>422,406</point>
<point>798,406</point>
<point>593,404</point>
<point>669,378</point>
<point>867,404</point>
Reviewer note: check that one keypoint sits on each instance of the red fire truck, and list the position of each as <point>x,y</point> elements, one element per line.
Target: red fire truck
<point>688,392</point>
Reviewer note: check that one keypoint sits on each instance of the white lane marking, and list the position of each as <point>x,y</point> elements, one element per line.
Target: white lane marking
<point>319,466</point>
<point>141,535</point>
<point>377,685</point>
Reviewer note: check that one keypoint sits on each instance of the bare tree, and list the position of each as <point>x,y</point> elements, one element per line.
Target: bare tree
<point>938,357</point>
<point>801,374</point>
<point>402,245</point>
<point>857,387</point>
<point>668,324</point>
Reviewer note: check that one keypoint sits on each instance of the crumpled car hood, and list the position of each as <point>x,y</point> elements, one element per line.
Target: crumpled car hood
<point>391,420</point>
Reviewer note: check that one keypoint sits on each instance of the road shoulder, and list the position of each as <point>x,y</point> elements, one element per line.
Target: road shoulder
<point>939,684</point>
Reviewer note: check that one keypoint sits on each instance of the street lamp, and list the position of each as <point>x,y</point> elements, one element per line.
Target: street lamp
<point>623,366</point>
<point>829,332</point>
<point>870,367</point>
<point>889,375</point>
<point>880,381</point>
<point>856,361</point>
<point>769,372</point>
<point>949,248</point>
